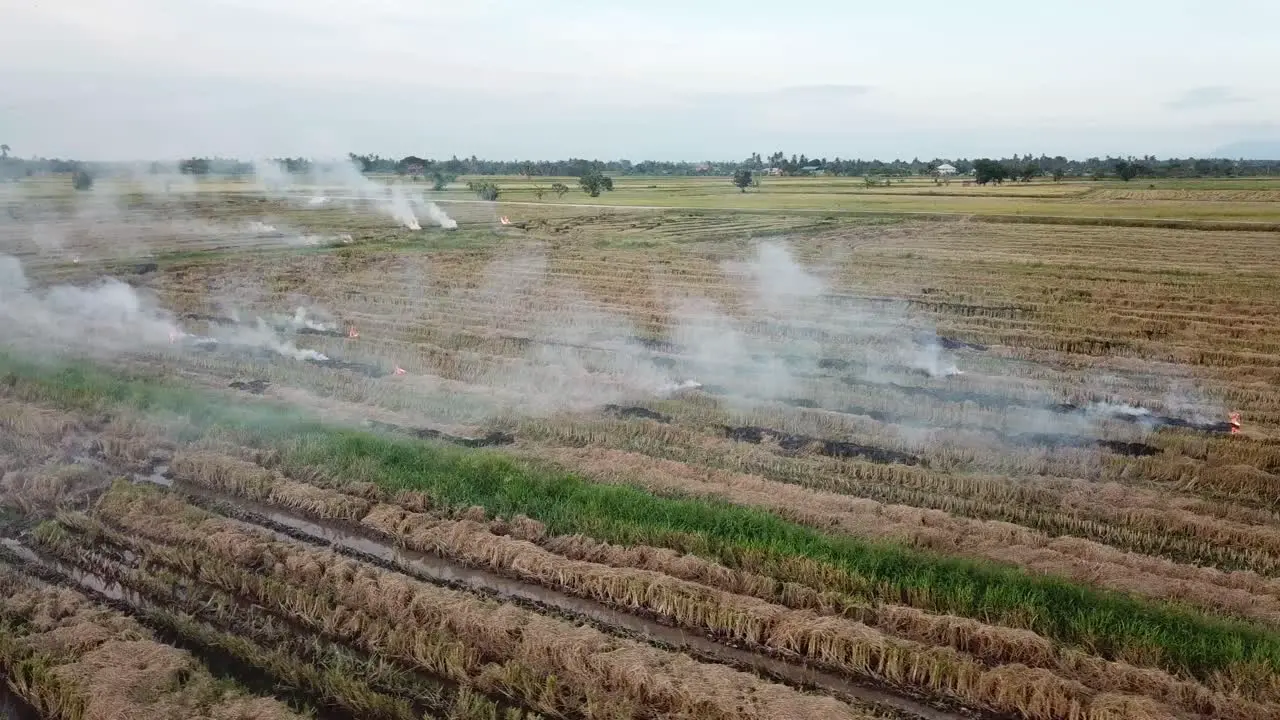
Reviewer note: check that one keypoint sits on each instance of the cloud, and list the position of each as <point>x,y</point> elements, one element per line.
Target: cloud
<point>1207,96</point>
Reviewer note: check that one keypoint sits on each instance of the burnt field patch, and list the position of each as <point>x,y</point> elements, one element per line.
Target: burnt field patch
<point>795,443</point>
<point>368,370</point>
<point>253,387</point>
<point>490,439</point>
<point>1140,416</point>
<point>1055,440</point>
<point>634,411</point>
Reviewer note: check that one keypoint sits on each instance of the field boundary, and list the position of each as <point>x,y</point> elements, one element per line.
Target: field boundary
<point>1102,220</point>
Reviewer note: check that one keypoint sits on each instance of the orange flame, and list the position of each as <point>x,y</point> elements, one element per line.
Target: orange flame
<point>399,370</point>
<point>1233,419</point>
<point>504,220</point>
<point>353,333</point>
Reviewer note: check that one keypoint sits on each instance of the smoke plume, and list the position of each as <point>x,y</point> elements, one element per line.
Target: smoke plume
<point>394,201</point>
<point>106,317</point>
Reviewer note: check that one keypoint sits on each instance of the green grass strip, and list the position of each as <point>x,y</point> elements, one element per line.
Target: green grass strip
<point>1105,622</point>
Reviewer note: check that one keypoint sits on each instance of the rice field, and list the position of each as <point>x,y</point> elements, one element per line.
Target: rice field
<point>578,461</point>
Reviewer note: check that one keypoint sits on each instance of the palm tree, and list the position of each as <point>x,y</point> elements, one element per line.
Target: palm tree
<point>4,152</point>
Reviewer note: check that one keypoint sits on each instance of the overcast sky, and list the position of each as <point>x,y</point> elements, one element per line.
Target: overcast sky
<point>660,79</point>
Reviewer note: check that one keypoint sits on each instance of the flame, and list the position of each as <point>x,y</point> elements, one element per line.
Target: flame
<point>353,333</point>
<point>399,370</point>
<point>504,220</point>
<point>1233,419</point>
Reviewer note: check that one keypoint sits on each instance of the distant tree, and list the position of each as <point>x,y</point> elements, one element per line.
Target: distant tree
<point>364,162</point>
<point>4,152</point>
<point>441,180</point>
<point>485,190</point>
<point>1058,174</point>
<point>1028,171</point>
<point>1126,170</point>
<point>539,191</point>
<point>82,180</point>
<point>454,165</point>
<point>742,178</point>
<point>559,189</point>
<point>986,170</point>
<point>594,181</point>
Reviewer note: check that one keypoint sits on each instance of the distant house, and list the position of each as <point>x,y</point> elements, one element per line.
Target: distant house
<point>774,171</point>
<point>811,170</point>
<point>704,167</point>
<point>945,169</point>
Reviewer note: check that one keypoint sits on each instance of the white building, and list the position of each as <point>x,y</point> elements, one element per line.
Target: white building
<point>945,169</point>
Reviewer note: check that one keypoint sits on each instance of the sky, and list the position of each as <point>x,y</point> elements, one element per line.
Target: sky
<point>659,79</point>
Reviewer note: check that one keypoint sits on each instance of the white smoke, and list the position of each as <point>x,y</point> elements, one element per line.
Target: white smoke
<point>791,321</point>
<point>581,356</point>
<point>263,336</point>
<point>105,317</point>
<point>271,178</point>
<point>391,200</point>
<point>310,319</point>
<point>929,357</point>
<point>13,281</point>
<point>109,318</point>
<point>721,351</point>
<point>257,226</point>
<point>433,211</point>
<point>50,239</point>
<point>395,201</point>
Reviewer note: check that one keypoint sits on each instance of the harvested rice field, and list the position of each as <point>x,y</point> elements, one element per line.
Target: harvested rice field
<point>263,456</point>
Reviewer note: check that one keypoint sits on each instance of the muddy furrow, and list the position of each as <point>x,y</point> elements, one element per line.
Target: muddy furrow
<point>619,666</point>
<point>710,601</point>
<point>72,659</point>
<point>13,707</point>
<point>227,654</point>
<point>288,647</point>
<point>635,622</point>
<point>645,579</point>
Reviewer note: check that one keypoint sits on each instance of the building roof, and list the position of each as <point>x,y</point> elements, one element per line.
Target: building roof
<point>946,167</point>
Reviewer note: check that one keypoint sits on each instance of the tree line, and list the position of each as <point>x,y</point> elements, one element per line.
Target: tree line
<point>443,171</point>
<point>1015,167</point>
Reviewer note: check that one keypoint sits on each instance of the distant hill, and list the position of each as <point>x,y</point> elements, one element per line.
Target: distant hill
<point>1250,150</point>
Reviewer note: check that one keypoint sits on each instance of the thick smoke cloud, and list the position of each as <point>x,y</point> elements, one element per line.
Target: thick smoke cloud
<point>582,355</point>
<point>407,207</point>
<point>106,317</point>
<point>792,323</point>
